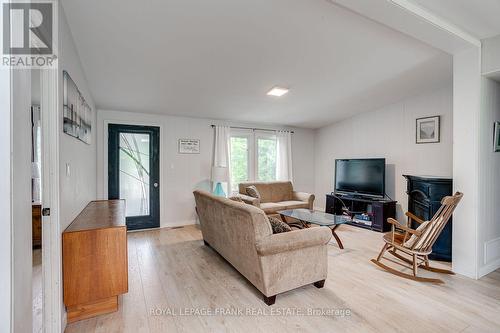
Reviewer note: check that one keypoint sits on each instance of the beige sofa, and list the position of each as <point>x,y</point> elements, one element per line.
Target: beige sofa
<point>273,263</point>
<point>276,196</point>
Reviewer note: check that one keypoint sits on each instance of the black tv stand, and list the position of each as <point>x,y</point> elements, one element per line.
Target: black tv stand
<point>369,213</point>
<point>356,197</point>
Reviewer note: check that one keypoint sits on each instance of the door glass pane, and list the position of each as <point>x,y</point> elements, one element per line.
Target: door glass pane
<point>266,155</point>
<point>239,161</point>
<point>134,173</point>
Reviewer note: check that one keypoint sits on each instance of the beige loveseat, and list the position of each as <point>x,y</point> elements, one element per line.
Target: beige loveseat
<point>273,263</point>
<point>276,196</point>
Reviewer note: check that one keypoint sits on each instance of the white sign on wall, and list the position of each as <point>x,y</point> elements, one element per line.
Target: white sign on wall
<point>189,146</point>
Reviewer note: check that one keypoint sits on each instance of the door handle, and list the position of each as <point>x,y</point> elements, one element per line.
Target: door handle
<point>155,184</point>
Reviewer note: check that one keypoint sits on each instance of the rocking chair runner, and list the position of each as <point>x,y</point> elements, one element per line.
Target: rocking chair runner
<point>417,243</point>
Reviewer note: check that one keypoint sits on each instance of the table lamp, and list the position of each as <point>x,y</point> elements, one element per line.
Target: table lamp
<point>219,175</point>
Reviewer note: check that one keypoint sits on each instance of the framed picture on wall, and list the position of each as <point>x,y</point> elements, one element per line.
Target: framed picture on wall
<point>77,118</point>
<point>428,129</point>
<point>189,146</point>
<point>496,143</point>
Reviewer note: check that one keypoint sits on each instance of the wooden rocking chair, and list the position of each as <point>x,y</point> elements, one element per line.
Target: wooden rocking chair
<point>417,243</point>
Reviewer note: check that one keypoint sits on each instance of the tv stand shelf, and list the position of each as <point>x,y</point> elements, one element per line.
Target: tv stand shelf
<point>378,210</point>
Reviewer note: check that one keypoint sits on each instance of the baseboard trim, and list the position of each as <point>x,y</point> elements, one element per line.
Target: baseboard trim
<point>491,252</point>
<point>179,224</point>
<point>487,269</point>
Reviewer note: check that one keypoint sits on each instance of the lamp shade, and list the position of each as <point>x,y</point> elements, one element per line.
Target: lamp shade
<point>219,174</point>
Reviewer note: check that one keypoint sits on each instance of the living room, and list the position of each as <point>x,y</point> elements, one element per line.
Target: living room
<point>240,166</point>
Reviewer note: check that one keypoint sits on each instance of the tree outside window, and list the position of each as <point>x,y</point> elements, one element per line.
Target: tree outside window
<point>239,161</point>
<point>266,156</point>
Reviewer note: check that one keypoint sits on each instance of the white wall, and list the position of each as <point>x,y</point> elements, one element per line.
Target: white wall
<point>15,194</point>
<point>388,132</point>
<point>35,87</point>
<point>21,202</point>
<point>79,187</point>
<point>490,55</point>
<point>180,174</point>
<point>489,191</point>
<point>5,199</point>
<point>466,111</point>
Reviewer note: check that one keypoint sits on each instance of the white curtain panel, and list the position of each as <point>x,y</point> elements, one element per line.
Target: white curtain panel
<point>284,155</point>
<point>222,152</point>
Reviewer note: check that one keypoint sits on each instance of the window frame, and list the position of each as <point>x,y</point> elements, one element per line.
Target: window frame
<point>238,133</point>
<point>252,137</point>
<point>260,135</point>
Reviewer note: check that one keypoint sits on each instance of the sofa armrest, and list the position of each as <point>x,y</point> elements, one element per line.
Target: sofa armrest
<point>249,200</point>
<point>303,196</point>
<point>293,240</point>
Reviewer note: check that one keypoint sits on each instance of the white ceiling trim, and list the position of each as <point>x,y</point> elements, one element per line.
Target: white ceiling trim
<point>413,20</point>
<point>437,21</point>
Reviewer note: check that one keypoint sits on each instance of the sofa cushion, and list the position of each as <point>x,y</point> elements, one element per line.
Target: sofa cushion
<point>281,191</point>
<point>236,198</point>
<point>264,191</point>
<point>271,207</point>
<point>253,192</point>
<point>292,204</point>
<point>278,226</point>
<point>270,191</point>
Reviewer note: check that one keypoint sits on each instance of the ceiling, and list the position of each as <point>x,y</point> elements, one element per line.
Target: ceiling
<point>481,18</point>
<point>217,59</point>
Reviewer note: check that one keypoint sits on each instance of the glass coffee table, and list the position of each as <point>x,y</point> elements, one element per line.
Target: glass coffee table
<point>306,217</point>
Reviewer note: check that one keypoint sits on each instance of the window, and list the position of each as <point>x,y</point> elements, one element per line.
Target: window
<point>266,159</point>
<point>239,161</point>
<point>253,157</point>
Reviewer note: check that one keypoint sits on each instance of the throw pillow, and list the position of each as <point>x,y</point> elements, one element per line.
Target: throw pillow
<point>278,226</point>
<point>410,242</point>
<point>236,198</point>
<point>253,192</point>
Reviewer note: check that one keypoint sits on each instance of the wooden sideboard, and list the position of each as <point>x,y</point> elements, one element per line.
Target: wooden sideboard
<point>95,263</point>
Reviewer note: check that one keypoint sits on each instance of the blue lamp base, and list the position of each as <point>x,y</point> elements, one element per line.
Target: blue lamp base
<point>219,191</point>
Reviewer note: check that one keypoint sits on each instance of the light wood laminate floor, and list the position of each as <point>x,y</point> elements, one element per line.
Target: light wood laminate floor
<point>37,291</point>
<point>171,269</point>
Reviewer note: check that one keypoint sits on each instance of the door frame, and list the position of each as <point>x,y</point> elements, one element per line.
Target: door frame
<point>53,320</point>
<point>123,118</point>
<point>155,168</point>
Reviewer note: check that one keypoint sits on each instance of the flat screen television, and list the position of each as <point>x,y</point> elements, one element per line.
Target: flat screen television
<point>364,177</point>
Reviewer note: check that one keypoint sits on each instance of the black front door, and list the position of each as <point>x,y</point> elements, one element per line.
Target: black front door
<point>133,172</point>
